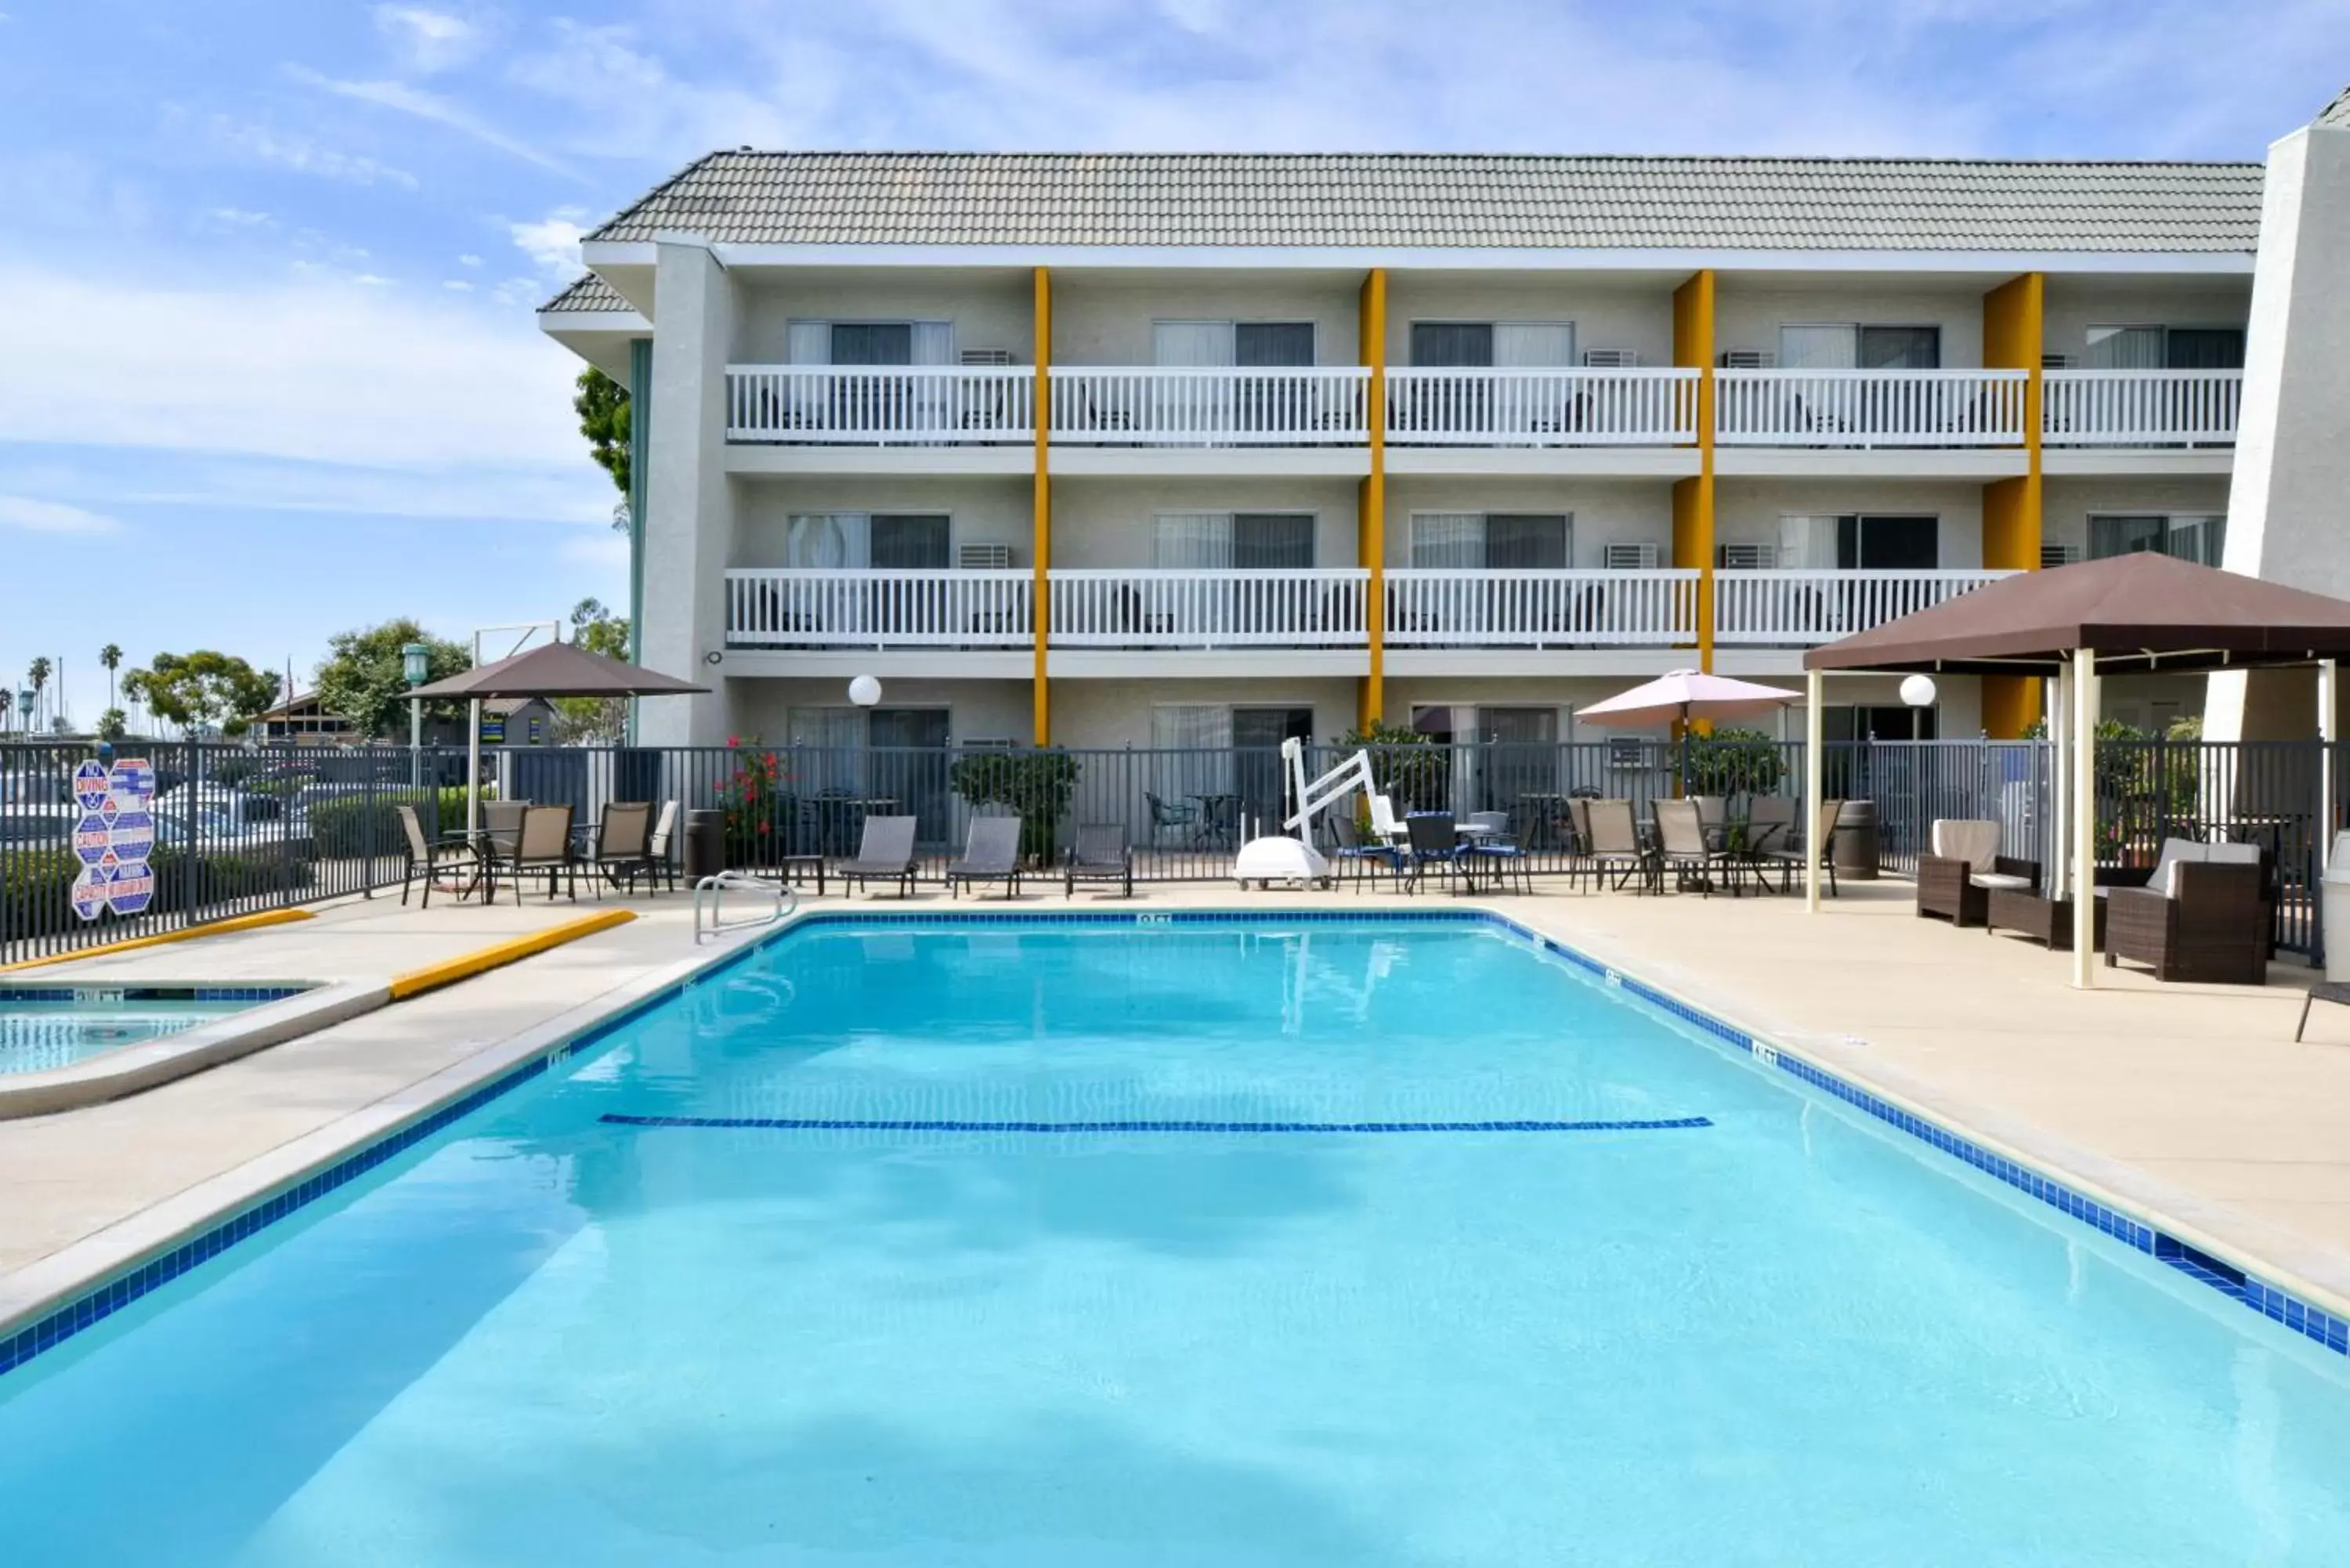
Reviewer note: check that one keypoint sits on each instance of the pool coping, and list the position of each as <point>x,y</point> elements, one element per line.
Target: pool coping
<point>57,1297</point>
<point>130,1069</point>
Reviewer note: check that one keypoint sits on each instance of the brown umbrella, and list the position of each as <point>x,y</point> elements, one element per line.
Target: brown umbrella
<point>551,670</point>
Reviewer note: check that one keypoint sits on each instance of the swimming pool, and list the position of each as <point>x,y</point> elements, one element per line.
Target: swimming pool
<point>49,1026</point>
<point>1263,1241</point>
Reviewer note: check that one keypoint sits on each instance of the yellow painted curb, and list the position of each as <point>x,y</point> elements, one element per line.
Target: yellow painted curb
<point>214,929</point>
<point>416,981</point>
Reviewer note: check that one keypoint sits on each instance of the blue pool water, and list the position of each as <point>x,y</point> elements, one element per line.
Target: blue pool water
<point>51,1026</point>
<point>1363,1244</point>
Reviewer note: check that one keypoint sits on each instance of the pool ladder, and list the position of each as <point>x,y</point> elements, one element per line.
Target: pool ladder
<point>710,900</point>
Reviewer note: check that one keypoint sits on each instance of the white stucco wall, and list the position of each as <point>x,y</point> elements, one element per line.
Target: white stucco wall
<point>2066,502</point>
<point>2073,306</point>
<point>1104,523</point>
<point>980,710</point>
<point>989,310</point>
<point>1105,318</point>
<point>1748,313</point>
<point>979,510</point>
<point>1637,316</point>
<point>1605,511</point>
<point>1747,511</point>
<point>689,510</point>
<point>1102,714</point>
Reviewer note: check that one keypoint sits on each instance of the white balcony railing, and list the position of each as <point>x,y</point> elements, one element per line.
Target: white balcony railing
<point>1794,609</point>
<point>1542,408</point>
<point>1528,609</point>
<point>1306,406</point>
<point>1869,408</point>
<point>1320,607</point>
<point>2140,408</point>
<point>856,607</point>
<point>881,405</point>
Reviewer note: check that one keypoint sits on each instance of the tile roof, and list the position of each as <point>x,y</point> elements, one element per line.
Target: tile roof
<point>2338,112</point>
<point>1446,200</point>
<point>589,293</point>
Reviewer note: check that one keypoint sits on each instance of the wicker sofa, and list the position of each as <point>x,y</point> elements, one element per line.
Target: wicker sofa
<point>2204,915</point>
<point>1955,881</point>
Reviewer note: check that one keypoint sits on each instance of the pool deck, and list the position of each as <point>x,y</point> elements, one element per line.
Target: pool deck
<point>2189,1104</point>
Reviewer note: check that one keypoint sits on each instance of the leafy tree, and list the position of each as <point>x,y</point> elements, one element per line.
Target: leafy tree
<point>203,689</point>
<point>113,724</point>
<point>596,721</point>
<point>110,656</point>
<point>1413,775</point>
<point>602,405</point>
<point>1734,761</point>
<point>364,678</point>
<point>1036,785</point>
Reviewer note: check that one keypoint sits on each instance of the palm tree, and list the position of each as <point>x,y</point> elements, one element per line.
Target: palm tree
<point>111,657</point>
<point>40,675</point>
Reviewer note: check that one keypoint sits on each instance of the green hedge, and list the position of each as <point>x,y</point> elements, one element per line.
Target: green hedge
<point>356,824</point>
<point>36,885</point>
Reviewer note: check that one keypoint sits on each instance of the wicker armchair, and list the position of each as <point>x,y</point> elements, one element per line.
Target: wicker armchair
<point>2204,916</point>
<point>1954,882</point>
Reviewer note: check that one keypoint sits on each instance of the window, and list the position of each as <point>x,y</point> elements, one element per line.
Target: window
<point>1260,345</point>
<point>2166,348</point>
<point>1860,541</point>
<point>2200,538</point>
<point>1844,345</point>
<point>1505,345</point>
<point>1187,541</point>
<point>1892,721</point>
<point>1491,541</point>
<point>870,342</point>
<point>855,540</point>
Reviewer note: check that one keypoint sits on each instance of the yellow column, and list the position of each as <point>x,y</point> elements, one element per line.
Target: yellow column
<point>2013,320</point>
<point>1693,498</point>
<point>1041,525</point>
<point>1371,507</point>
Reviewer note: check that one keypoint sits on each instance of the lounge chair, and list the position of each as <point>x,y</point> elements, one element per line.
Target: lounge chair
<point>991,854</point>
<point>1498,847</point>
<point>2203,916</point>
<point>885,853</point>
<point>1101,854</point>
<point>428,856</point>
<point>660,851</point>
<point>542,842</point>
<point>1955,881</point>
<point>1433,841</point>
<point>622,836</point>
<point>1681,847</point>
<point>1613,842</point>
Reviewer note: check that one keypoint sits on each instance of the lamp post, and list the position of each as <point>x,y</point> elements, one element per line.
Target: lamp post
<point>1918,690</point>
<point>416,665</point>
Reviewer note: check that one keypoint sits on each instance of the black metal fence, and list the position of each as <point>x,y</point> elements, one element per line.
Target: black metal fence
<point>242,828</point>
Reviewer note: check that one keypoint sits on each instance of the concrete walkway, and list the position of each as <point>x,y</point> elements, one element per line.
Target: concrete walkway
<point>2188,1104</point>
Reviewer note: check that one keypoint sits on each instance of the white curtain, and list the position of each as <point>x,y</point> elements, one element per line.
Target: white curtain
<point>1195,740</point>
<point>837,540</point>
<point>807,343</point>
<point>1818,347</point>
<point>1807,543</point>
<point>1183,726</point>
<point>1192,541</point>
<point>934,343</point>
<point>1533,345</point>
<point>2126,348</point>
<point>1448,540</point>
<point>1189,343</point>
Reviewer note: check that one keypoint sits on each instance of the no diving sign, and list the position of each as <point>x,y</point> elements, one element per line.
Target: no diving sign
<point>114,837</point>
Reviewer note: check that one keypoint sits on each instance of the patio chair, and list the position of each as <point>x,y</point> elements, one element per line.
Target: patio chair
<point>991,855</point>
<point>2203,916</point>
<point>1713,815</point>
<point>1682,848</point>
<point>1433,841</point>
<point>542,842</point>
<point>1363,858</point>
<point>1955,881</point>
<point>660,847</point>
<point>623,835</point>
<point>1789,857</point>
<point>1183,819</point>
<point>428,856</point>
<point>1770,823</point>
<point>885,853</point>
<point>1613,842</point>
<point>1101,854</point>
<point>1499,849</point>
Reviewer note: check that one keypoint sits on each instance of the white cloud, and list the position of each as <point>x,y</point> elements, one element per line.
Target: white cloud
<point>304,156</point>
<point>459,285</point>
<point>431,107</point>
<point>552,242</point>
<point>52,517</point>
<point>428,40</point>
<point>469,261</point>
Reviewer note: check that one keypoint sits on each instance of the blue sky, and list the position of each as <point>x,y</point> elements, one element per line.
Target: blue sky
<point>266,267</point>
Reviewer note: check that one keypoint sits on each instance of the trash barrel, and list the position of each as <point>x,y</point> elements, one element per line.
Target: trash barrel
<point>705,843</point>
<point>2333,910</point>
<point>1856,842</point>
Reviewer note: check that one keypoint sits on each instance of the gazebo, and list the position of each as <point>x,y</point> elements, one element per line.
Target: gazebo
<point>2130,614</point>
<point>550,669</point>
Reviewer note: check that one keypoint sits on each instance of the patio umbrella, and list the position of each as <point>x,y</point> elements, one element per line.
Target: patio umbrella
<point>1686,695</point>
<point>550,669</point>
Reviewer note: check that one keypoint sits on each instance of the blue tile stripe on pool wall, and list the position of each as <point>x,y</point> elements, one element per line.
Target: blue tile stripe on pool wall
<point>149,993</point>
<point>847,1124</point>
<point>2324,1328</point>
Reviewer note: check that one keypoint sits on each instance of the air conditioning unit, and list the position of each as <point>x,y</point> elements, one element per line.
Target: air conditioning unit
<point>988,357</point>
<point>1627,751</point>
<point>1631,558</point>
<point>984,557</point>
<point>1611,359</point>
<point>1747,557</point>
<point>2055,361</point>
<point>2059,555</point>
<point>1747,359</point>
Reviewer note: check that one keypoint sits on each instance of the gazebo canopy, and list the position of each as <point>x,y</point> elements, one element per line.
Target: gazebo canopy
<point>560,669</point>
<point>2141,613</point>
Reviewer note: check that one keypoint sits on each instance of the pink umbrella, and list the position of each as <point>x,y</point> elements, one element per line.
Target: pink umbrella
<point>1686,694</point>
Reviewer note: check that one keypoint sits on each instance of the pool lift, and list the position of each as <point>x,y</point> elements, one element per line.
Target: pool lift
<point>1278,857</point>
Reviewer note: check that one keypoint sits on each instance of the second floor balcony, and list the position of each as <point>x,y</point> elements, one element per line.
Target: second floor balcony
<point>1589,407</point>
<point>1793,608</point>
<point>1869,408</point>
<point>881,405</point>
<point>2141,407</point>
